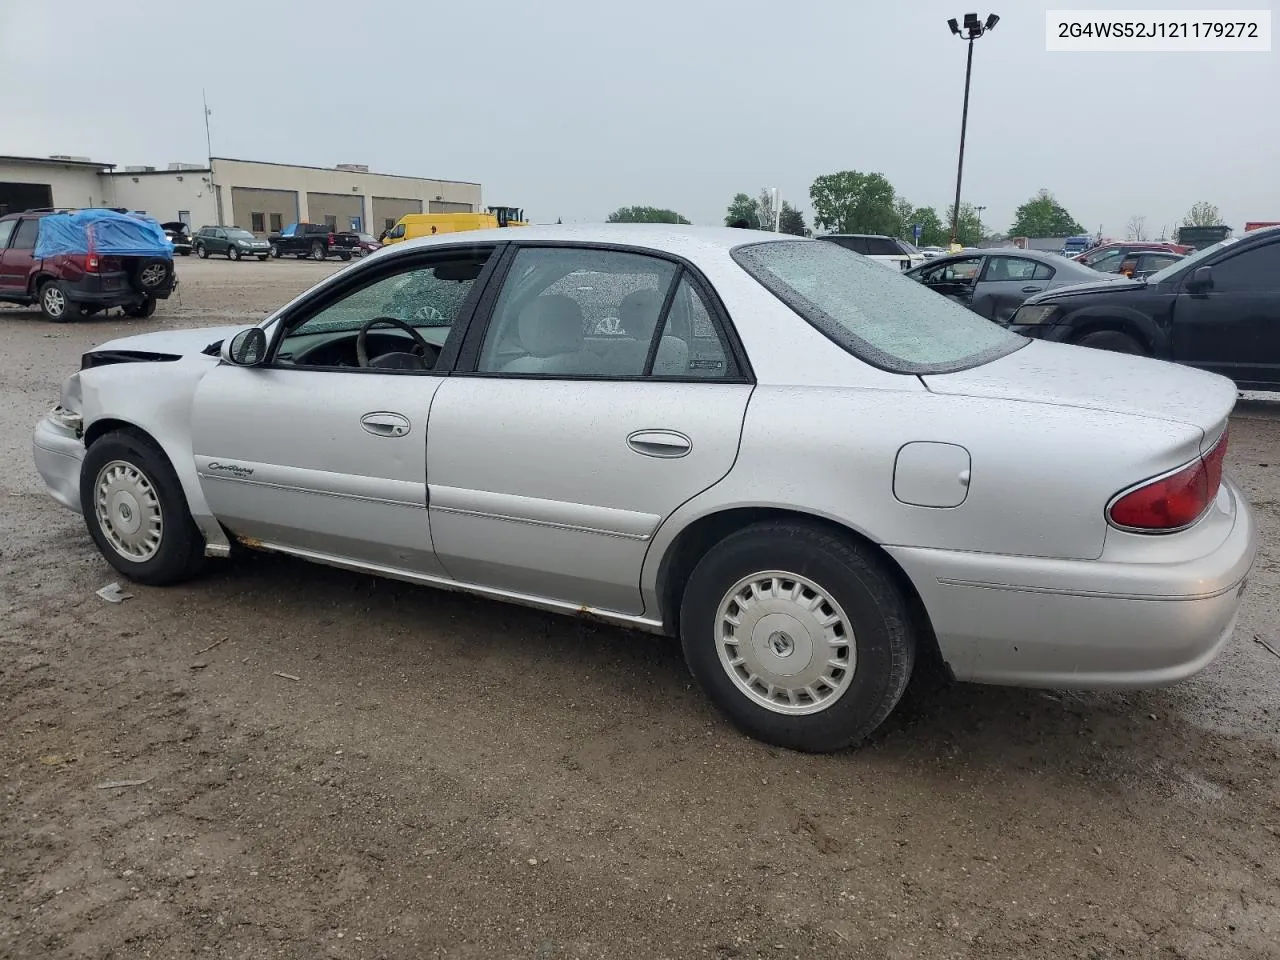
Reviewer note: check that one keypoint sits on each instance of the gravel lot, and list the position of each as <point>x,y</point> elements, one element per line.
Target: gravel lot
<point>451,777</point>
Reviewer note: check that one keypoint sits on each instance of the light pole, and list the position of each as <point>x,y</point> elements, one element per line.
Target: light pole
<point>979,209</point>
<point>973,29</point>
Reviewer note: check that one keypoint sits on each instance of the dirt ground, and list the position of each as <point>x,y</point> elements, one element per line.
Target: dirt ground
<point>452,777</point>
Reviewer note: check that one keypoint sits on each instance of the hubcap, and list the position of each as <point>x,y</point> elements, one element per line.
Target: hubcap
<point>54,301</point>
<point>785,643</point>
<point>128,511</point>
<point>152,275</point>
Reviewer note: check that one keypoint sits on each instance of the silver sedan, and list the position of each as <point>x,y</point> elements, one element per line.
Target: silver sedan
<point>812,470</point>
<point>995,282</point>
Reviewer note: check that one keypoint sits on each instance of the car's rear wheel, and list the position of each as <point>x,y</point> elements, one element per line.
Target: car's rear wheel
<point>799,635</point>
<point>1112,340</point>
<point>201,252</point>
<point>233,253</point>
<point>317,251</point>
<point>55,304</point>
<point>262,258</point>
<point>136,511</point>
<point>142,310</point>
<point>344,257</point>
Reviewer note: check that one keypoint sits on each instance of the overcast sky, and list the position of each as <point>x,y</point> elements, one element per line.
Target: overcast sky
<point>571,108</point>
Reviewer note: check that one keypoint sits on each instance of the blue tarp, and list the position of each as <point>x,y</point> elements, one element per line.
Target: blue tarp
<point>103,232</point>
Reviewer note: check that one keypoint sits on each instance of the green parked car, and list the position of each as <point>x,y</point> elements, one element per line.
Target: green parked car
<point>231,242</point>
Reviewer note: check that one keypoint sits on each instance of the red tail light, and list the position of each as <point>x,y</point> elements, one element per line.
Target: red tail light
<point>92,263</point>
<point>332,239</point>
<point>1174,501</point>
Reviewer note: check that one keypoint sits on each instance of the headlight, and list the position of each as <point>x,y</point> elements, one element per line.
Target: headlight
<point>1035,314</point>
<point>67,419</point>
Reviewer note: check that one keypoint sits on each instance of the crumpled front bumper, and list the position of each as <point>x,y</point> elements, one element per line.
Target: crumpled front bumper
<point>59,454</point>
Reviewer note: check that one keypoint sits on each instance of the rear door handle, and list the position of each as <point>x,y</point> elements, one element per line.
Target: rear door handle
<point>1032,289</point>
<point>385,424</point>
<point>667,444</point>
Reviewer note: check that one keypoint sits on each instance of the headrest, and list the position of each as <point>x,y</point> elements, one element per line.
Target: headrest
<point>551,325</point>
<point>639,311</point>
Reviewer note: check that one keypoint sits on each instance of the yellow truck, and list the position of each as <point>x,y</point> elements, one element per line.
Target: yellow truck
<point>414,225</point>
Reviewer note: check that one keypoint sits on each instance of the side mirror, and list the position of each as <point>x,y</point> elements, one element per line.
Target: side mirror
<point>1201,280</point>
<point>248,348</point>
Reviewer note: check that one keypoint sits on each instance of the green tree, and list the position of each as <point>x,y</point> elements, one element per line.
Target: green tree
<point>854,202</point>
<point>968,228</point>
<point>1203,214</point>
<point>932,231</point>
<point>792,221</point>
<point>902,207</point>
<point>742,208</point>
<point>645,215</point>
<point>1043,216</point>
<point>765,212</point>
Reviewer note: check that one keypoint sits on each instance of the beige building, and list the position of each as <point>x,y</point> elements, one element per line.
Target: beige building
<point>262,197</point>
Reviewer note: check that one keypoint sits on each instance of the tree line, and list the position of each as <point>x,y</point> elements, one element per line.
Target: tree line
<point>853,201</point>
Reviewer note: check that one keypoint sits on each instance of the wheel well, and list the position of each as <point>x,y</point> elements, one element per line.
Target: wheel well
<point>100,428</point>
<point>39,280</point>
<point>1115,324</point>
<point>692,544</point>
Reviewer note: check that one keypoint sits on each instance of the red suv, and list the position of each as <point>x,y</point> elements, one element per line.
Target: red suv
<point>67,285</point>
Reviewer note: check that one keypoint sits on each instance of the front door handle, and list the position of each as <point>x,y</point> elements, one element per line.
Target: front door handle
<point>667,444</point>
<point>1032,289</point>
<point>385,424</point>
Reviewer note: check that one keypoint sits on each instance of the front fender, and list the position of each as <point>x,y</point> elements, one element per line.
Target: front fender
<point>156,398</point>
<point>1121,317</point>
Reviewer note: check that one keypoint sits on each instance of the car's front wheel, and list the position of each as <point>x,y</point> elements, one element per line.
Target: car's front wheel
<point>799,635</point>
<point>1112,340</point>
<point>233,253</point>
<point>201,252</point>
<point>275,250</point>
<point>136,511</point>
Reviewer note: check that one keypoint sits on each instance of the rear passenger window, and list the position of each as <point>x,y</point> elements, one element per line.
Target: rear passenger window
<point>577,313</point>
<point>24,238</point>
<point>6,231</point>
<point>691,345</point>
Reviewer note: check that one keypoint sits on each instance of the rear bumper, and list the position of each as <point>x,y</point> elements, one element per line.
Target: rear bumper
<point>58,457</point>
<point>1085,624</point>
<point>112,290</point>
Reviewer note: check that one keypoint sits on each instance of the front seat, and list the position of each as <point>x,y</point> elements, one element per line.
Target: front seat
<point>550,330</point>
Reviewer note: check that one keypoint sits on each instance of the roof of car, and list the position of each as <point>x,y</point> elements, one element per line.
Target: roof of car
<point>658,235</point>
<point>864,236</point>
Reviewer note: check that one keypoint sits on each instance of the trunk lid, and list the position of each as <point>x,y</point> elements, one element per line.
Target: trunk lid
<point>1069,376</point>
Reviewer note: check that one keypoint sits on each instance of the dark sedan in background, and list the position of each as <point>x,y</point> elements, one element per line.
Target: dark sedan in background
<point>995,282</point>
<point>1218,309</point>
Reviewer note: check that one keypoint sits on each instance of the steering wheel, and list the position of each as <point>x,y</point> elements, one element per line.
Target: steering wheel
<point>403,360</point>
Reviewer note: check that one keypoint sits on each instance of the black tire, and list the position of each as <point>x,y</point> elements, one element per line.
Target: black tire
<point>180,553</point>
<point>876,613</point>
<point>262,258</point>
<point>142,310</point>
<point>55,304</point>
<point>318,251</point>
<point>275,250</point>
<point>201,252</point>
<point>185,253</point>
<point>344,257</point>
<point>151,273</point>
<point>1112,340</point>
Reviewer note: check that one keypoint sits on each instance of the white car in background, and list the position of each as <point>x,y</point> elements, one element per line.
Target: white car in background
<point>887,250</point>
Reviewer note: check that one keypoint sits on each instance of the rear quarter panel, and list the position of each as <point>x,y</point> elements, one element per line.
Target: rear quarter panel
<point>1041,476</point>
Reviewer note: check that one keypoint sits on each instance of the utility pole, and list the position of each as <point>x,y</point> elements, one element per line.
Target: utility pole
<point>973,29</point>
<point>208,145</point>
<point>981,232</point>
